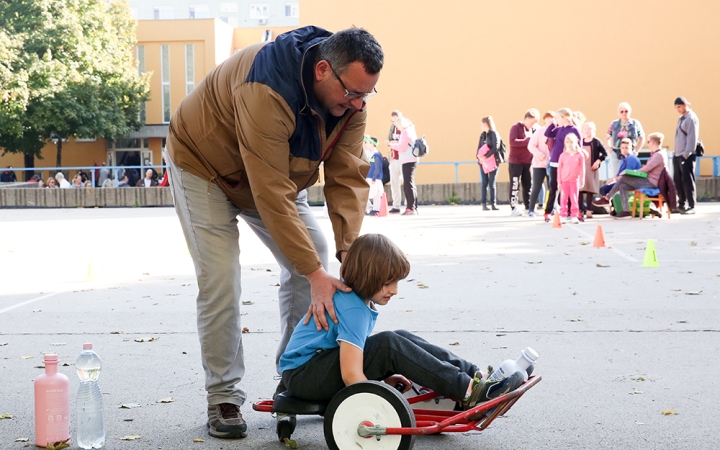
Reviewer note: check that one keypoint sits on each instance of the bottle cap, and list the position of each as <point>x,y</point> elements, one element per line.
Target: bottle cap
<point>50,358</point>
<point>87,346</point>
<point>530,354</point>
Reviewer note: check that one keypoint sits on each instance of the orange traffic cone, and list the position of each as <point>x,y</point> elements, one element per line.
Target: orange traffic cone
<point>599,237</point>
<point>556,221</point>
<point>383,205</point>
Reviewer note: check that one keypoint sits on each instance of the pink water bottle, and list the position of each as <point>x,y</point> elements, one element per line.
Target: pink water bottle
<point>52,404</point>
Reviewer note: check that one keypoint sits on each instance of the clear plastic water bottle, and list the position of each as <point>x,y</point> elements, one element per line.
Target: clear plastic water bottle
<point>509,367</point>
<point>90,420</point>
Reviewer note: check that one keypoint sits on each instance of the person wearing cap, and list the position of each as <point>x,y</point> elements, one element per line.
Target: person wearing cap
<point>686,140</point>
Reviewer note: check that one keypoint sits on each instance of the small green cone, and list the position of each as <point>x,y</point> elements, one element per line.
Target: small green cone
<point>650,255</point>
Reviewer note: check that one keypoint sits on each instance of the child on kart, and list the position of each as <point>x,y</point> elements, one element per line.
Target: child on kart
<point>318,364</point>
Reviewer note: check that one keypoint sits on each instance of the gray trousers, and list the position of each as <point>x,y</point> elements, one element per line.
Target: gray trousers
<point>386,353</point>
<point>210,224</point>
<point>627,183</point>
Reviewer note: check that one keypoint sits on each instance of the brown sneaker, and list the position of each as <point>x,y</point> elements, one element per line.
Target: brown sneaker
<point>226,422</point>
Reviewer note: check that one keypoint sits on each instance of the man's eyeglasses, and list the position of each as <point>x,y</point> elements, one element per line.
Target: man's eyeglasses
<point>352,95</point>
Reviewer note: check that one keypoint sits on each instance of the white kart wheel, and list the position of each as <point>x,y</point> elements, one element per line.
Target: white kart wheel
<point>368,403</point>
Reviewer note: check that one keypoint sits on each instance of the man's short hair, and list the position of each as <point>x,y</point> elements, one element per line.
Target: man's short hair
<point>532,113</point>
<point>352,45</point>
<point>628,142</point>
<point>656,137</point>
<point>396,113</point>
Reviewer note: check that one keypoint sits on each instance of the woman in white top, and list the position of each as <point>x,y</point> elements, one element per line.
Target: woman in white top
<point>409,162</point>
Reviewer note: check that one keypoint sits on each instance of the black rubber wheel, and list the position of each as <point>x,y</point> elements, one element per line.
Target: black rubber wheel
<point>285,427</point>
<point>371,401</point>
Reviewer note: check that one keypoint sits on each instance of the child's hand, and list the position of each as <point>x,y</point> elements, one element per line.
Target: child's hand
<point>394,380</point>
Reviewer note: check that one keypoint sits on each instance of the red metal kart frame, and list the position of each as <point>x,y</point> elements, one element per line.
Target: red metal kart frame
<point>430,421</point>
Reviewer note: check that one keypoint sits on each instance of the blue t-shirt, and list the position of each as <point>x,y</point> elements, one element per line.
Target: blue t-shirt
<point>355,323</point>
<point>630,162</point>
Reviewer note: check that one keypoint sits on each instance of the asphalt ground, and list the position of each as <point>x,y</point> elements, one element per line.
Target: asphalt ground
<point>619,344</point>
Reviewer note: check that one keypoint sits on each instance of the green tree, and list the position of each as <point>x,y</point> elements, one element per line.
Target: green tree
<point>67,69</point>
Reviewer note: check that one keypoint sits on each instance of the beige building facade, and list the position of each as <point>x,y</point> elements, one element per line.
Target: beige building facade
<point>450,63</point>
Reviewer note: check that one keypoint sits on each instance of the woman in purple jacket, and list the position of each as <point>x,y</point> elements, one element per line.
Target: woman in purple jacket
<point>565,125</point>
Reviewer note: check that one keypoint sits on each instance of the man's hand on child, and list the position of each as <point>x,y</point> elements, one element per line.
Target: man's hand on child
<point>322,288</point>
<point>394,380</point>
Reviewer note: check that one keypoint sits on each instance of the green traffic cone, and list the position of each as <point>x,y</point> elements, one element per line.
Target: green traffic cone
<point>650,255</point>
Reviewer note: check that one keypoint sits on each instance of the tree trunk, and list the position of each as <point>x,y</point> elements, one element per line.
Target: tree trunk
<point>58,160</point>
<point>29,162</point>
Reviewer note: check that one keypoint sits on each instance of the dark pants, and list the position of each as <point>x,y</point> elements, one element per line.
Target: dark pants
<point>553,190</point>
<point>488,182</point>
<point>539,175</point>
<point>386,353</point>
<point>606,188</point>
<point>520,178</point>
<point>409,188</point>
<point>684,178</point>
<point>587,204</point>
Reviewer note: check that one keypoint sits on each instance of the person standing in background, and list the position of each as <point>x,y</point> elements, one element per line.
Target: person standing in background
<point>686,140</point>
<point>520,160</point>
<point>395,164</point>
<point>624,128</point>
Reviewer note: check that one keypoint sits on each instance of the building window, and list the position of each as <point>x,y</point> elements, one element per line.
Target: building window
<point>199,12</point>
<point>229,7</point>
<point>163,12</point>
<point>140,54</point>
<point>259,11</point>
<point>292,10</point>
<point>189,68</point>
<point>165,77</point>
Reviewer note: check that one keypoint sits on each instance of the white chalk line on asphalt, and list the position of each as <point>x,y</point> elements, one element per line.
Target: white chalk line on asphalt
<point>621,253</point>
<point>27,302</point>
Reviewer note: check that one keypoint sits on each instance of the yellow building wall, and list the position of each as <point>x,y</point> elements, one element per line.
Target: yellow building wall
<point>448,64</point>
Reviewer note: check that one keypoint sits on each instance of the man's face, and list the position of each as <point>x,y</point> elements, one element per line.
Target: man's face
<point>653,146</point>
<point>625,149</point>
<point>681,109</point>
<point>393,118</point>
<point>529,122</point>
<point>329,88</point>
<point>148,174</point>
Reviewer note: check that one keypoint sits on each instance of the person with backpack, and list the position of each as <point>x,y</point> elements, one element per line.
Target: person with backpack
<point>686,144</point>
<point>490,138</point>
<point>404,147</point>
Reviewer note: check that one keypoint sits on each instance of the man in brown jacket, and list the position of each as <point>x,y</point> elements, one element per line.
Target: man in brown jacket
<point>247,142</point>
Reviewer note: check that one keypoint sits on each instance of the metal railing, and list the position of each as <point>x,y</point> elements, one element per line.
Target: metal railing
<point>89,170</point>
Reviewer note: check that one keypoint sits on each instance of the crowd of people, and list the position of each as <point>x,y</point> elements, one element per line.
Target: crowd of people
<point>564,155</point>
<point>81,180</point>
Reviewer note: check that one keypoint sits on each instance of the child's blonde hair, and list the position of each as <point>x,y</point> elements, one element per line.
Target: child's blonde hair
<point>568,114</point>
<point>572,140</point>
<point>372,261</point>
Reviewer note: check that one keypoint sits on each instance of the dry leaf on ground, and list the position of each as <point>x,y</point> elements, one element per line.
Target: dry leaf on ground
<point>58,344</point>
<point>198,440</point>
<point>534,262</point>
<point>129,405</point>
<point>6,416</point>
<point>635,392</point>
<point>22,439</point>
<point>59,445</point>
<point>26,357</point>
<point>3,344</point>
<point>693,293</point>
<point>246,330</point>
<point>601,265</point>
<point>669,412</point>
<point>455,343</point>
<point>146,339</point>
<point>290,443</point>
<point>248,303</point>
<point>130,437</point>
<point>166,400</point>
<point>577,319</point>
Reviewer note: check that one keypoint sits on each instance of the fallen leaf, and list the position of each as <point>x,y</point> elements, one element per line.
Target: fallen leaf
<point>246,330</point>
<point>5,416</point>
<point>58,344</point>
<point>3,344</point>
<point>145,273</point>
<point>248,303</point>
<point>577,319</point>
<point>130,438</point>
<point>150,339</point>
<point>116,332</point>
<point>198,440</point>
<point>129,405</point>
<point>669,412</point>
<point>584,243</point>
<point>22,439</point>
<point>408,310</point>
<point>166,400</point>
<point>59,445</point>
<point>422,286</point>
<point>290,443</point>
<point>37,310</point>
<point>534,262</point>
<point>276,284</point>
<point>26,357</point>
<point>693,244</point>
<point>500,334</point>
<point>65,364</point>
<point>638,379</point>
<point>635,392</point>
<point>128,420</point>
<point>693,293</point>
<point>455,343</point>
<point>172,295</point>
<point>682,321</point>
<point>185,284</point>
<point>601,265</point>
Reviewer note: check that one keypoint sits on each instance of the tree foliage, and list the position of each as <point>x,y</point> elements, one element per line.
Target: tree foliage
<point>67,69</point>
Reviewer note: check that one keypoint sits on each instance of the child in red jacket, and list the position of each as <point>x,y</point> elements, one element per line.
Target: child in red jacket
<point>571,175</point>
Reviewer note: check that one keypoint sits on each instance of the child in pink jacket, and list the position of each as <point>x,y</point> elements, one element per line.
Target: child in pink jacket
<point>571,175</point>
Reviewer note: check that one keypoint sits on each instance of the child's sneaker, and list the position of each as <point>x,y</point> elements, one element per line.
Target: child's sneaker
<point>547,217</point>
<point>575,220</point>
<point>484,390</point>
<point>563,219</point>
<point>531,213</point>
<point>516,212</point>
<point>374,213</point>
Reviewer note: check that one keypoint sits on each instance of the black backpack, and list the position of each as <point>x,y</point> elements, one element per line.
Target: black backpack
<point>420,147</point>
<point>502,151</point>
